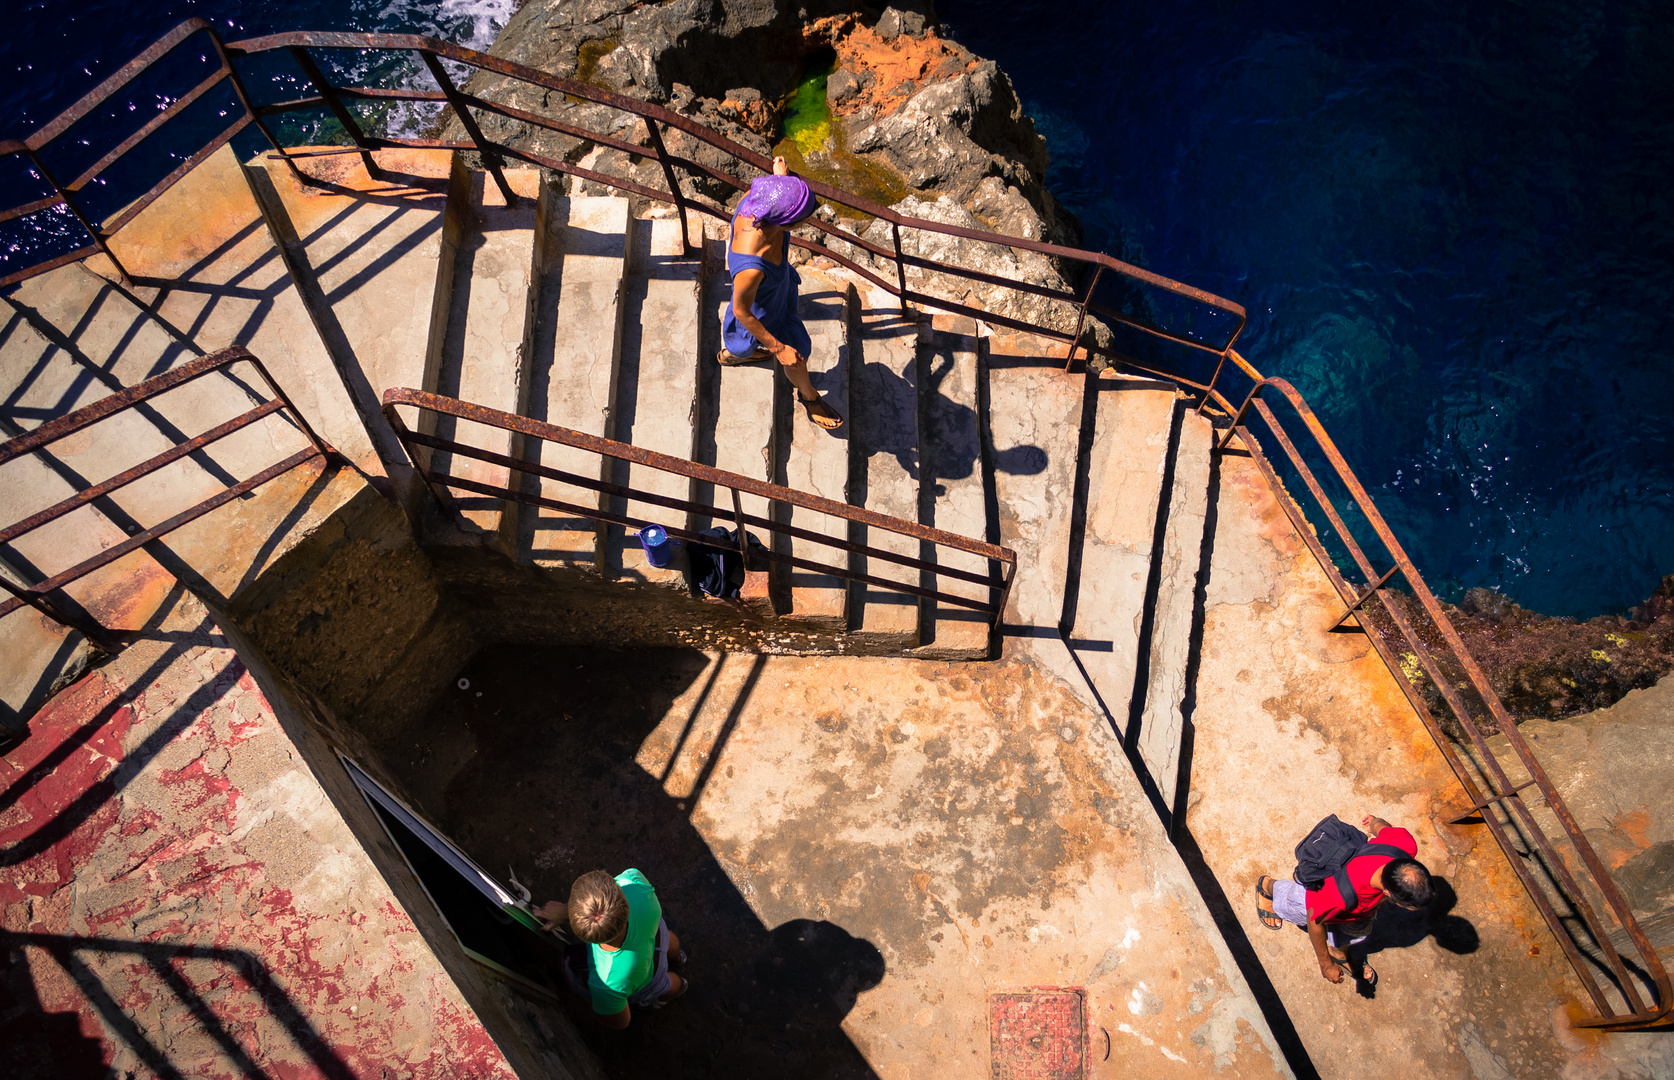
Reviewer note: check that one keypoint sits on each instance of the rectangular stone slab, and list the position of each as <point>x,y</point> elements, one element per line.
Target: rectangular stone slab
<point>1130,447</point>
<point>380,254</point>
<point>488,320</point>
<point>656,394</point>
<point>1161,726</point>
<point>738,409</point>
<point>885,437</point>
<point>578,337</point>
<point>817,461</point>
<point>952,495</point>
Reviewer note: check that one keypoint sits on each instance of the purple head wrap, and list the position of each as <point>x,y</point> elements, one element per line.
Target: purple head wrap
<point>777,200</point>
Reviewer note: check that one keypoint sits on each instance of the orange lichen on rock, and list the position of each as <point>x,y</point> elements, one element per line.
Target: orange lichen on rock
<point>888,71</point>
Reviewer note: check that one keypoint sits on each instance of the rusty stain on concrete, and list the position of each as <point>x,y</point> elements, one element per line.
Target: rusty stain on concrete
<point>1294,723</point>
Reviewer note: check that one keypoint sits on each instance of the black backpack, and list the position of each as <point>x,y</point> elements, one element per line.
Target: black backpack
<point>1324,854</point>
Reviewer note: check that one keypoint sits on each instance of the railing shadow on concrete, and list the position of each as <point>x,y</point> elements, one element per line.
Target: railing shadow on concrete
<point>46,596</point>
<point>1482,776</point>
<point>77,957</point>
<point>997,582</point>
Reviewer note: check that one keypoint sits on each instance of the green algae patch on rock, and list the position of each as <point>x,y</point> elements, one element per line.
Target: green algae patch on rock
<point>588,56</point>
<point>807,114</point>
<point>816,149</point>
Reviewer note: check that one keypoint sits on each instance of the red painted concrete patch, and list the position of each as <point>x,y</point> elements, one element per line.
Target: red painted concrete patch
<point>1037,1034</point>
<point>179,897</point>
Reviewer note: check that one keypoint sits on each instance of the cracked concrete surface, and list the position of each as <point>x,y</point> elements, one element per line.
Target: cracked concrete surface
<point>179,897</point>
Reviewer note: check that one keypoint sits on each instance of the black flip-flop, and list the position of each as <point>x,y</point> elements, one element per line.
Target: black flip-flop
<point>1269,919</point>
<point>1367,974</point>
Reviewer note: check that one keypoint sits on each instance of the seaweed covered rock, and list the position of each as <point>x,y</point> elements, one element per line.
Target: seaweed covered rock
<point>1546,667</point>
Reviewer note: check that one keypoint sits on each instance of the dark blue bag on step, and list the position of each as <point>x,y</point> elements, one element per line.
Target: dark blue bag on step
<point>717,567</point>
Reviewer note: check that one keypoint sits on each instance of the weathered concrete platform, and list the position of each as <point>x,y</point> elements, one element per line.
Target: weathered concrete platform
<point>857,853</point>
<point>1293,723</point>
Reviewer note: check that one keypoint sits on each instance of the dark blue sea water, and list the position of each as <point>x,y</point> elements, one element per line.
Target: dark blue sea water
<point>1450,223</point>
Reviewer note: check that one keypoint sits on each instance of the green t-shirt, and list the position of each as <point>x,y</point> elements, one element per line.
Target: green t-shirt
<point>617,976</point>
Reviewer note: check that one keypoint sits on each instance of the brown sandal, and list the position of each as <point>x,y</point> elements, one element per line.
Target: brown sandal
<point>820,413</point>
<point>727,359</point>
<point>1269,918</point>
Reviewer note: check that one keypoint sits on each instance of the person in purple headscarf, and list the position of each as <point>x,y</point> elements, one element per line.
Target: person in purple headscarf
<point>762,322</point>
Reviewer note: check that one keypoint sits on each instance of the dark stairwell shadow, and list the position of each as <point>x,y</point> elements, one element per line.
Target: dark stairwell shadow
<point>547,772</point>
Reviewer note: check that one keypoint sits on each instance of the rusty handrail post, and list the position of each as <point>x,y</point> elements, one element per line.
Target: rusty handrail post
<point>90,628</point>
<point>93,231</point>
<point>1361,598</point>
<point>338,109</point>
<point>900,265</point>
<point>402,433</point>
<point>244,100</point>
<point>1081,318</point>
<point>1213,379</point>
<point>1005,595</point>
<point>490,156</point>
<point>674,191</point>
<point>738,516</point>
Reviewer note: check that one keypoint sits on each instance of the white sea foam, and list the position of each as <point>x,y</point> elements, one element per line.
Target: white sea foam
<point>472,23</point>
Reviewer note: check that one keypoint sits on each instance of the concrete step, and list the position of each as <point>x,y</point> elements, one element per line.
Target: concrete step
<point>228,283</point>
<point>104,340</point>
<point>1161,726</point>
<point>736,425</point>
<point>951,491</point>
<point>577,348</point>
<point>885,439</point>
<point>656,394</point>
<point>1034,422</point>
<point>376,256</point>
<point>1133,438</point>
<point>482,355</point>
<point>815,460</point>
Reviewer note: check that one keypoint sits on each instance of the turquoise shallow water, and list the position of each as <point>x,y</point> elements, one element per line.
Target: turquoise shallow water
<point>1451,225</point>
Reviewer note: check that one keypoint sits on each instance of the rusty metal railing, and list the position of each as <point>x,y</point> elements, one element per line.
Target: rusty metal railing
<point>998,586</point>
<point>431,52</point>
<point>1485,782</point>
<point>1484,777</point>
<point>64,192</point>
<point>40,595</point>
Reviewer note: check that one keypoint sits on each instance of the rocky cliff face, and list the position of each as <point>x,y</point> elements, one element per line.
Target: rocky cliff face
<point>917,122</point>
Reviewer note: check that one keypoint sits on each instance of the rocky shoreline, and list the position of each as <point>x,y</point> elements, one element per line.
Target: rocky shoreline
<point>1550,668</point>
<point>916,121</point>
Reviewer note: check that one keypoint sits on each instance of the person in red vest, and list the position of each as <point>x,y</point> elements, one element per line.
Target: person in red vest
<point>1333,924</point>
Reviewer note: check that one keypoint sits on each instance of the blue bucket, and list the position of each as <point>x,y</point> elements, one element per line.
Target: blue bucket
<point>659,549</point>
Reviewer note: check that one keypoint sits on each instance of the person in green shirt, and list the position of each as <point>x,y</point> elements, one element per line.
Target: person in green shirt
<point>630,945</point>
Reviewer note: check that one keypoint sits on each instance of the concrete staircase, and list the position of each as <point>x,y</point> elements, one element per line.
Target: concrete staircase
<point>1103,486</point>
<point>572,310</point>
